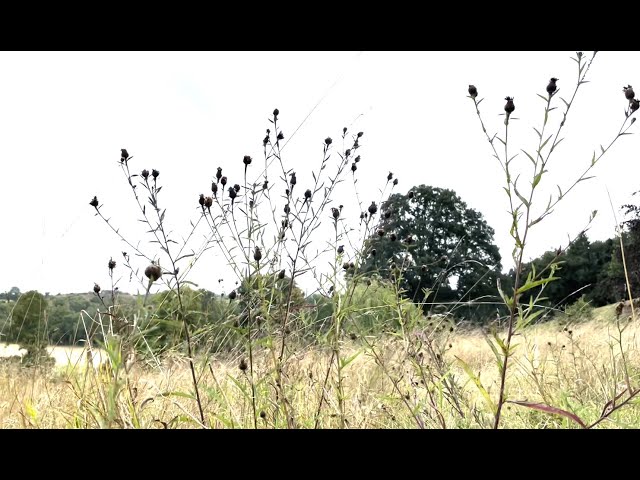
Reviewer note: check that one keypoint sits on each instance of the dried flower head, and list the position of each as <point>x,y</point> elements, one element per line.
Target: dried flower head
<point>94,202</point>
<point>214,188</point>
<point>360,134</point>
<point>257,254</point>
<point>552,87</point>
<point>155,173</point>
<point>395,182</point>
<point>281,274</point>
<point>243,365</point>
<point>381,232</point>
<point>247,160</point>
<point>634,105</point>
<point>357,159</point>
<point>287,209</point>
<point>124,155</point>
<point>307,194</point>
<point>153,272</point>
<point>208,201</point>
<point>390,176</point>
<point>145,173</point>
<point>473,91</point>
<point>393,237</point>
<point>293,180</point>
<point>265,185</point>
<point>112,264</point>
<point>509,107</point>
<point>236,187</point>
<point>232,193</point>
<point>341,249</point>
<point>628,92</point>
<point>219,174</point>
<point>328,141</point>
<point>276,112</point>
<point>354,167</point>
<point>373,208</point>
<point>335,213</point>
<point>223,181</point>
<point>232,295</point>
<point>201,200</point>
<point>280,136</point>
<point>96,288</point>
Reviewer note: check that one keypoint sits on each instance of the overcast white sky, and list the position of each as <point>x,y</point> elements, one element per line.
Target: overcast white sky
<point>65,116</point>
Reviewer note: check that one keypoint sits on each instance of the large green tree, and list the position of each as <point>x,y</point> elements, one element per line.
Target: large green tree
<point>440,244</point>
<point>28,325</point>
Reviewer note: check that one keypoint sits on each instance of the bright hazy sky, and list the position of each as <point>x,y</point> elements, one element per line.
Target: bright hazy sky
<point>65,116</point>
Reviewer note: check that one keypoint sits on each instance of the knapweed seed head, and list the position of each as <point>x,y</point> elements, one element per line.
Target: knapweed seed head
<point>395,182</point>
<point>214,188</point>
<point>112,264</point>
<point>357,159</point>
<point>509,107</point>
<point>96,288</point>
<point>94,202</point>
<point>236,187</point>
<point>201,200</point>
<point>232,193</point>
<point>354,167</point>
<point>373,208</point>
<point>243,365</point>
<point>276,112</point>
<point>247,160</point>
<point>153,272</point>
<point>124,155</point>
<point>257,254</point>
<point>473,91</point>
<point>280,136</point>
<point>155,173</point>
<point>390,176</point>
<point>219,174</point>
<point>307,194</point>
<point>360,134</point>
<point>281,274</point>
<point>208,202</point>
<point>552,87</point>
<point>335,213</point>
<point>340,249</point>
<point>223,181</point>
<point>628,92</point>
<point>328,141</point>
<point>145,174</point>
<point>232,295</point>
<point>634,105</point>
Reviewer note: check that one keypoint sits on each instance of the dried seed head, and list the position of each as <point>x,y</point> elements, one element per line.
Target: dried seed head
<point>201,200</point>
<point>265,185</point>
<point>265,140</point>
<point>232,193</point>
<point>395,182</point>
<point>280,136</point>
<point>387,214</point>
<point>347,152</point>
<point>381,232</point>
<point>219,174</point>
<point>232,295</point>
<point>257,254</point>
<point>345,265</point>
<point>223,181</point>
<point>287,209</point>
<point>341,249</point>
<point>362,215</point>
<point>208,201</point>
<point>94,202</point>
<point>155,173</point>
<point>124,155</point>
<point>293,180</point>
<point>360,134</point>
<point>307,194</point>
<point>112,264</point>
<point>354,167</point>
<point>236,187</point>
<point>335,213</point>
<point>509,107</point>
<point>373,208</point>
<point>145,174</point>
<point>628,92</point>
<point>473,91</point>
<point>276,112</point>
<point>153,272</point>
<point>352,265</point>
<point>393,237</point>
<point>390,176</point>
<point>281,274</point>
<point>634,105</point>
<point>214,188</point>
<point>552,87</point>
<point>243,365</point>
<point>96,288</point>
<point>357,159</point>
<point>328,141</point>
<point>246,160</point>
<point>411,194</point>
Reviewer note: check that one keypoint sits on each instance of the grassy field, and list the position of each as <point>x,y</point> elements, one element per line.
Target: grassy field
<point>577,367</point>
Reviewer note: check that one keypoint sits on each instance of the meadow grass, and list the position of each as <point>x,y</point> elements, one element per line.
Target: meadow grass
<point>575,366</point>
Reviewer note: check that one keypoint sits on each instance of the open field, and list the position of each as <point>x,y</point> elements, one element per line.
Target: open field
<point>576,367</point>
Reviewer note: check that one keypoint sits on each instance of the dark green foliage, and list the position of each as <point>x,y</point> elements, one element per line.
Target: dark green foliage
<point>451,240</point>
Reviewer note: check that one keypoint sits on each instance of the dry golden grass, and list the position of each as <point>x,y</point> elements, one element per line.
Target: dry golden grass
<point>575,367</point>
